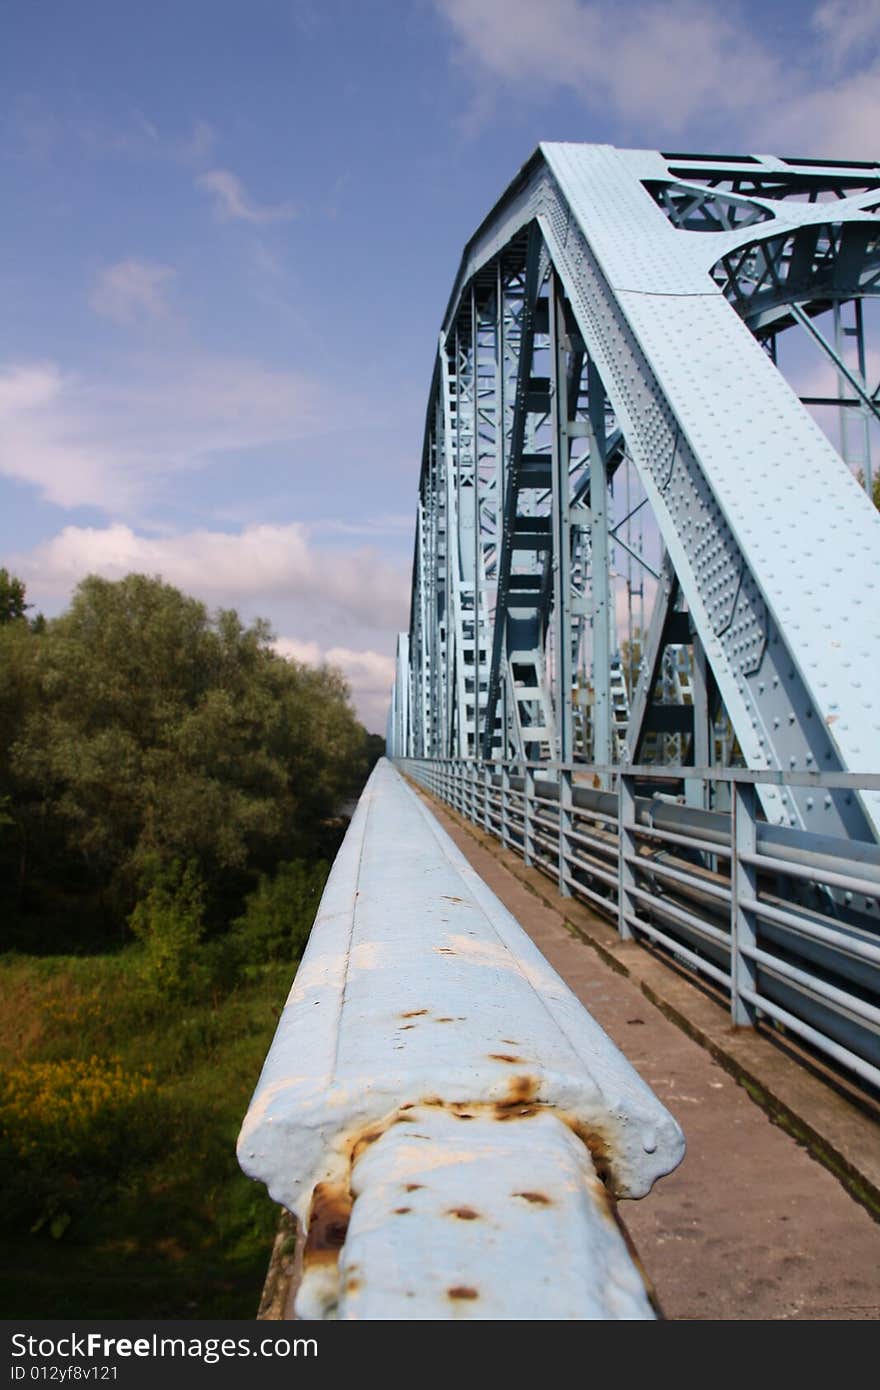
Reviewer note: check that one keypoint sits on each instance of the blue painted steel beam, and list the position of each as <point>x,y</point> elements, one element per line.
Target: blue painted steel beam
<point>775,549</point>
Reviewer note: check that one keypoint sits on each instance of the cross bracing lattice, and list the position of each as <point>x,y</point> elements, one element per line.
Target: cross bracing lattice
<point>635,543</point>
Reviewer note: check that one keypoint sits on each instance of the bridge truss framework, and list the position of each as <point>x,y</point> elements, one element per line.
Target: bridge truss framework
<point>607,402</point>
<point>618,315</point>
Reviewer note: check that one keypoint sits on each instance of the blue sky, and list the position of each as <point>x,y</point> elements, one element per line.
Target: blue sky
<point>229,232</point>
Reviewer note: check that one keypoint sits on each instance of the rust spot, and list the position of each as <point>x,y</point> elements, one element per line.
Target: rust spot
<point>598,1145</point>
<point>401,1211</point>
<point>414,1186</point>
<point>522,1088</point>
<point>352,1285</point>
<point>464,1213</point>
<point>505,1111</point>
<point>406,1119</point>
<point>414,1013</point>
<point>600,1154</point>
<point>537,1198</point>
<point>511,1042</point>
<point>448,899</point>
<point>462,1115</point>
<point>444,1020</point>
<point>328,1223</point>
<point>462,1291</point>
<point>364,1140</point>
<point>445,951</point>
<point>432,1100</point>
<point>405,1027</point>
<point>505,1057</point>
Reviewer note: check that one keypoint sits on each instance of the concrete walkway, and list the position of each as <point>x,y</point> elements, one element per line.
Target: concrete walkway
<point>751,1226</point>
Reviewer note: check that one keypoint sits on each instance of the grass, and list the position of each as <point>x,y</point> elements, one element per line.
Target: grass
<point>121,1195</point>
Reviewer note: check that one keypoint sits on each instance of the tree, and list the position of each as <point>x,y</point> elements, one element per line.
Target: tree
<point>12,592</point>
<point>158,732</point>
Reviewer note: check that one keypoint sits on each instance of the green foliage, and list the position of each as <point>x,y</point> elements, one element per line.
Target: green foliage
<point>68,1130</point>
<point>169,920</point>
<point>279,914</point>
<point>138,726</point>
<point>128,1201</point>
<point>163,772</point>
<point>12,604</point>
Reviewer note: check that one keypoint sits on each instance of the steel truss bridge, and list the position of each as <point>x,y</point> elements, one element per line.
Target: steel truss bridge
<point>644,643</point>
<point>644,652</point>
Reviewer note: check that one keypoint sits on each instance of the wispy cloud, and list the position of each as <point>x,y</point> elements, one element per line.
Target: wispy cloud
<point>233,202</point>
<point>131,291</point>
<point>41,445</point>
<point>83,440</point>
<point>677,63</point>
<point>388,524</point>
<point>847,28</point>
<point>198,145</point>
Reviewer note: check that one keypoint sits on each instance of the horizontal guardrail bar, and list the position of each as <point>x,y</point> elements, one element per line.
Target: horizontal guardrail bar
<point>815,931</point>
<point>848,882</point>
<point>795,913</point>
<point>437,1108</point>
<point>745,776</point>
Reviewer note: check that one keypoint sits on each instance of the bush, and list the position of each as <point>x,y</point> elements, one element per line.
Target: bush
<point>279,914</point>
<point>169,922</point>
<point>68,1131</point>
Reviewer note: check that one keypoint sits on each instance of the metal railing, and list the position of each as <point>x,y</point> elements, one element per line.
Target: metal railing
<point>445,1119</point>
<point>784,921</point>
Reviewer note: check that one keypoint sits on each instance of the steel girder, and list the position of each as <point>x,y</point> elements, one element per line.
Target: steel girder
<point>658,275</point>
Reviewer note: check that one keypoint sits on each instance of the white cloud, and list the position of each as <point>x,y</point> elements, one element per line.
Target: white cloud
<point>838,119</point>
<point>370,675</point>
<point>255,565</point>
<point>676,63</point>
<point>93,441</point>
<point>132,290</point>
<point>232,201</point>
<point>664,64</point>
<point>279,567</point>
<point>42,442</point>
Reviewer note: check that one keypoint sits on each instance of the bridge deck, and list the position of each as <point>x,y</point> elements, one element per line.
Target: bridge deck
<point>750,1226</point>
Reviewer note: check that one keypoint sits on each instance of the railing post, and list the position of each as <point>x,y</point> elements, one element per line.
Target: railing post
<point>528,807</point>
<point>626,845</point>
<point>565,803</point>
<point>505,806</point>
<point>743,884</point>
